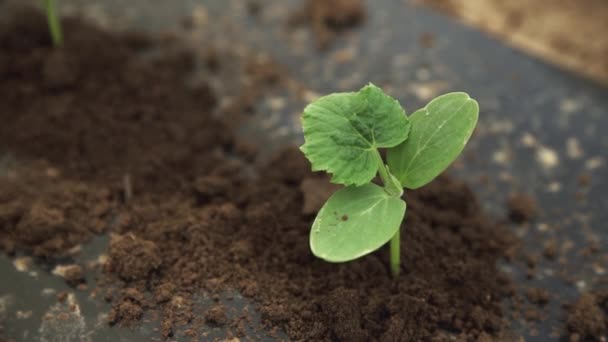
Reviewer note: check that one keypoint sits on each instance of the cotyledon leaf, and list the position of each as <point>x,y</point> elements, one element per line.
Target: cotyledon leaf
<point>342,132</point>
<point>438,135</point>
<point>355,221</point>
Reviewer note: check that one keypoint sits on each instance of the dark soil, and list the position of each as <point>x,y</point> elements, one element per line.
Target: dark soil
<point>588,317</point>
<point>203,221</point>
<point>522,207</point>
<point>132,258</point>
<point>99,110</point>
<point>47,215</point>
<point>74,275</point>
<point>129,307</point>
<point>538,296</point>
<point>217,315</point>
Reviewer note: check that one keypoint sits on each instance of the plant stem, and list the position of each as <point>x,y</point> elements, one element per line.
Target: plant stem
<point>396,254</point>
<point>53,20</point>
<point>392,189</point>
<point>382,168</point>
<point>387,179</point>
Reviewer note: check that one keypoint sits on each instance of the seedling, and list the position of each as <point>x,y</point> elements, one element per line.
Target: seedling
<point>343,133</point>
<point>53,21</point>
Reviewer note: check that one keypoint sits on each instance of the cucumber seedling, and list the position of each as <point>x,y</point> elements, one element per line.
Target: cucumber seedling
<point>53,21</point>
<point>343,133</point>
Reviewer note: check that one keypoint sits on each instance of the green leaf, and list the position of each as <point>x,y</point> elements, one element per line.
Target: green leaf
<point>355,221</point>
<point>439,133</point>
<point>342,132</point>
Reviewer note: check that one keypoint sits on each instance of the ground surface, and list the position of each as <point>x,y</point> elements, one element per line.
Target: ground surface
<point>547,146</point>
<point>151,165</point>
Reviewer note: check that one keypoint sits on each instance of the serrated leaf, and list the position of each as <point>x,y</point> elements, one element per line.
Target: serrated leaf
<point>355,221</point>
<point>342,132</point>
<point>438,135</point>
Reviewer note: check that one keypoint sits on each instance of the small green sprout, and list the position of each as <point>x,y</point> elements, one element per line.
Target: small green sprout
<point>53,20</point>
<point>343,133</point>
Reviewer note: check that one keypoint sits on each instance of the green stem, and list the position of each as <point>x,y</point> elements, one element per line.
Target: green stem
<point>389,186</point>
<point>394,190</point>
<point>53,20</point>
<point>396,254</point>
<point>381,168</point>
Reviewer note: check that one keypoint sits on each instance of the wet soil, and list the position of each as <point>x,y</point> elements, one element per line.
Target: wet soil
<point>118,141</point>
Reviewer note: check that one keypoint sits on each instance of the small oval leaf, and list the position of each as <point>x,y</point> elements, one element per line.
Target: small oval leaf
<point>342,132</point>
<point>355,221</point>
<point>438,135</point>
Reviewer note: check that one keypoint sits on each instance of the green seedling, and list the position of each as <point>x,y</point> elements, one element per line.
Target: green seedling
<point>343,135</point>
<point>53,21</point>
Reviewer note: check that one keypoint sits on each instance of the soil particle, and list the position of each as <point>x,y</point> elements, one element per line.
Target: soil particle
<point>133,295</point>
<point>176,313</point>
<point>73,274</point>
<point>216,315</point>
<point>274,313</point>
<point>42,223</point>
<point>587,319</point>
<point>584,180</point>
<point>62,296</point>
<point>129,309</point>
<point>532,314</point>
<point>538,296</point>
<point>521,207</point>
<point>133,258</point>
<point>327,18</point>
<point>164,292</point>
<point>550,248</point>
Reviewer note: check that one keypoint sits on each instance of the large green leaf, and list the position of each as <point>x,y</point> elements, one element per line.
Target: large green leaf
<point>439,133</point>
<point>342,132</point>
<point>355,221</point>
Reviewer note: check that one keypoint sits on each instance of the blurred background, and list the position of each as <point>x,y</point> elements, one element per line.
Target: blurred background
<point>566,33</point>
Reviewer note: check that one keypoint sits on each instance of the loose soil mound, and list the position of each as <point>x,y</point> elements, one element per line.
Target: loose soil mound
<point>80,118</point>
